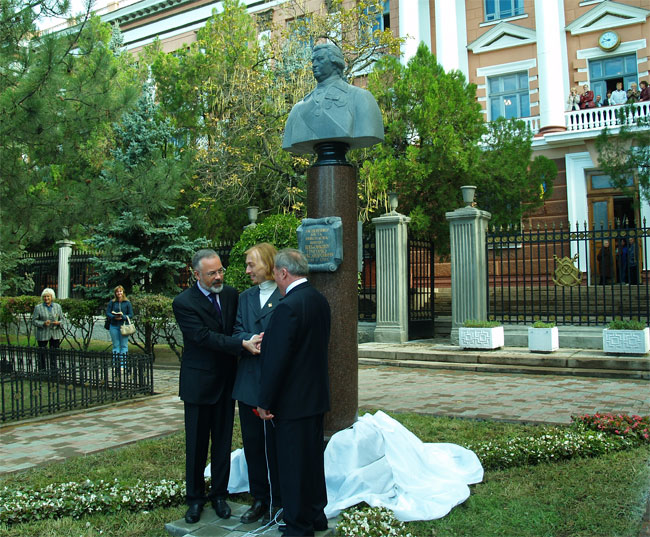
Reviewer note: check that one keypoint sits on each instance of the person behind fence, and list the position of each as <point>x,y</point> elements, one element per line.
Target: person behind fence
<point>633,261</point>
<point>621,257</point>
<point>294,393</point>
<point>48,320</point>
<point>206,313</point>
<point>604,258</point>
<point>256,306</point>
<point>633,94</point>
<point>119,311</point>
<point>587,98</point>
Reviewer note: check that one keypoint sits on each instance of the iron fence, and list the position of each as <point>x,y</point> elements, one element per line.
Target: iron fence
<point>37,381</point>
<point>368,279</point>
<point>579,275</point>
<point>421,308</point>
<point>43,268</point>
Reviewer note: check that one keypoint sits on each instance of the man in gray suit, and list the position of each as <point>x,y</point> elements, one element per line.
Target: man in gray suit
<point>253,314</point>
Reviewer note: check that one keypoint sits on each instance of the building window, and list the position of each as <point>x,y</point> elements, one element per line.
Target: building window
<point>383,18</point>
<point>502,9</point>
<point>605,73</point>
<point>508,95</point>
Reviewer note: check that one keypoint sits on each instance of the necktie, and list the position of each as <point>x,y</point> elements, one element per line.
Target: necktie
<point>215,303</point>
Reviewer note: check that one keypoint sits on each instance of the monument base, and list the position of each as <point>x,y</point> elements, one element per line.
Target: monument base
<point>332,191</point>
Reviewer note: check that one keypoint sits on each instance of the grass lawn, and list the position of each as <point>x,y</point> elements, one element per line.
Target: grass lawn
<point>603,496</point>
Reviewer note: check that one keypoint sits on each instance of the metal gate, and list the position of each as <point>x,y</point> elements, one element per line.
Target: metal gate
<point>421,306</point>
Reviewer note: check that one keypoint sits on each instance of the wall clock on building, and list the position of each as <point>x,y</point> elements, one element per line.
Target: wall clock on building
<point>609,40</point>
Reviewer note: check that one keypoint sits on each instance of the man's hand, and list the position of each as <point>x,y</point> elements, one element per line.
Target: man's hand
<point>252,345</point>
<point>264,414</point>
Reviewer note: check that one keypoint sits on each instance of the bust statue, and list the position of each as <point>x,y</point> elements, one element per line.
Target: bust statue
<point>335,111</point>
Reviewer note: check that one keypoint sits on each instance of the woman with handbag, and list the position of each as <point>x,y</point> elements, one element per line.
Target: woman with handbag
<point>119,313</point>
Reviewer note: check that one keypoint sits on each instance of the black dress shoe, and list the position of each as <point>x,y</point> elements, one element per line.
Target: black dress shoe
<point>221,508</point>
<point>193,514</point>
<point>255,512</point>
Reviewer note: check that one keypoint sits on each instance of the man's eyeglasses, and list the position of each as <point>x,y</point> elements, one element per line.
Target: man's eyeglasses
<point>213,273</point>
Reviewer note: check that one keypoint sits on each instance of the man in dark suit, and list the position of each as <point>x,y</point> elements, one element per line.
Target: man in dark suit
<point>294,393</point>
<point>253,315</point>
<point>205,314</point>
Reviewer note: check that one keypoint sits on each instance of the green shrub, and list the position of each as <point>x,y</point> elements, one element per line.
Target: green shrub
<point>278,230</point>
<point>542,324</point>
<point>15,310</point>
<point>80,320</point>
<point>626,324</point>
<point>472,323</point>
<point>154,321</point>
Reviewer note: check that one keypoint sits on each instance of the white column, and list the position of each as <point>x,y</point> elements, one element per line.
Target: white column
<point>415,25</point>
<point>552,61</point>
<point>451,35</point>
<point>391,236</point>
<point>65,249</point>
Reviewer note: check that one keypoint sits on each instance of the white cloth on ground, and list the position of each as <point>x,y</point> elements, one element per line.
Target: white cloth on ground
<point>380,462</point>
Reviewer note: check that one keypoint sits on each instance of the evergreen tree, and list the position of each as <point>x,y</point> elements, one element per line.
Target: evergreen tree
<point>436,141</point>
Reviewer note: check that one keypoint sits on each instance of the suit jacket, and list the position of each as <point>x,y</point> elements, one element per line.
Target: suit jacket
<point>41,314</point>
<point>251,320</point>
<point>295,380</point>
<point>209,361</point>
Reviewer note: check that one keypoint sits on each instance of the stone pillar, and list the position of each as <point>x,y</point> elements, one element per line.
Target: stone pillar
<point>551,59</point>
<point>451,35</point>
<point>391,235</point>
<point>414,26</point>
<point>467,227</point>
<point>332,191</point>
<point>65,249</point>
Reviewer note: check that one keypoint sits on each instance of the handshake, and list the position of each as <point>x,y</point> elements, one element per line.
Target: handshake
<point>254,344</point>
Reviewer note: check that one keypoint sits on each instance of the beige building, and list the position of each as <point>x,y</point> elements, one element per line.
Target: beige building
<point>523,55</point>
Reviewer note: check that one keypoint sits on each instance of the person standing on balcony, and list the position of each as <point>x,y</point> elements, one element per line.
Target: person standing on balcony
<point>48,320</point>
<point>587,98</point>
<point>618,95</point>
<point>645,91</point>
<point>608,99</point>
<point>597,101</point>
<point>633,94</point>
<point>573,102</point>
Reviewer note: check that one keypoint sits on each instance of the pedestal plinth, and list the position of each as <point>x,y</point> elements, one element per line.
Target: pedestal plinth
<point>332,191</point>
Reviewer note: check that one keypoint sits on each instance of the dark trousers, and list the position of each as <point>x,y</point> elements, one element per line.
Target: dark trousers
<point>300,451</point>
<point>43,354</point>
<point>260,456</point>
<point>208,424</point>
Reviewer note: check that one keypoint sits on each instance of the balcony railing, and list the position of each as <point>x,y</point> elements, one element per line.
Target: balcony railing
<point>595,118</point>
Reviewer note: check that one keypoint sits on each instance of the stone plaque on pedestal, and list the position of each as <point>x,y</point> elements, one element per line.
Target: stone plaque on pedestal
<point>321,240</point>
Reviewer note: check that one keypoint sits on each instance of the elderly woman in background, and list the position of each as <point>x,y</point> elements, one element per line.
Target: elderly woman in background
<point>117,312</point>
<point>48,320</point>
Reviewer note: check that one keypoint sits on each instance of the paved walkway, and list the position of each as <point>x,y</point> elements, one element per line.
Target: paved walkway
<point>513,397</point>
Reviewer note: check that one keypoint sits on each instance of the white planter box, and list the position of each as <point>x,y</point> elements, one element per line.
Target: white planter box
<point>543,339</point>
<point>480,338</point>
<point>626,341</point>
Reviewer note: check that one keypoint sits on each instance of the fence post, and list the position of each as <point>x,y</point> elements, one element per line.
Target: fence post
<point>467,228</point>
<point>65,249</point>
<point>391,236</point>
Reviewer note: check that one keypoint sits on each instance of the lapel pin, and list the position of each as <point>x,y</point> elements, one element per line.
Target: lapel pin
<point>270,305</point>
